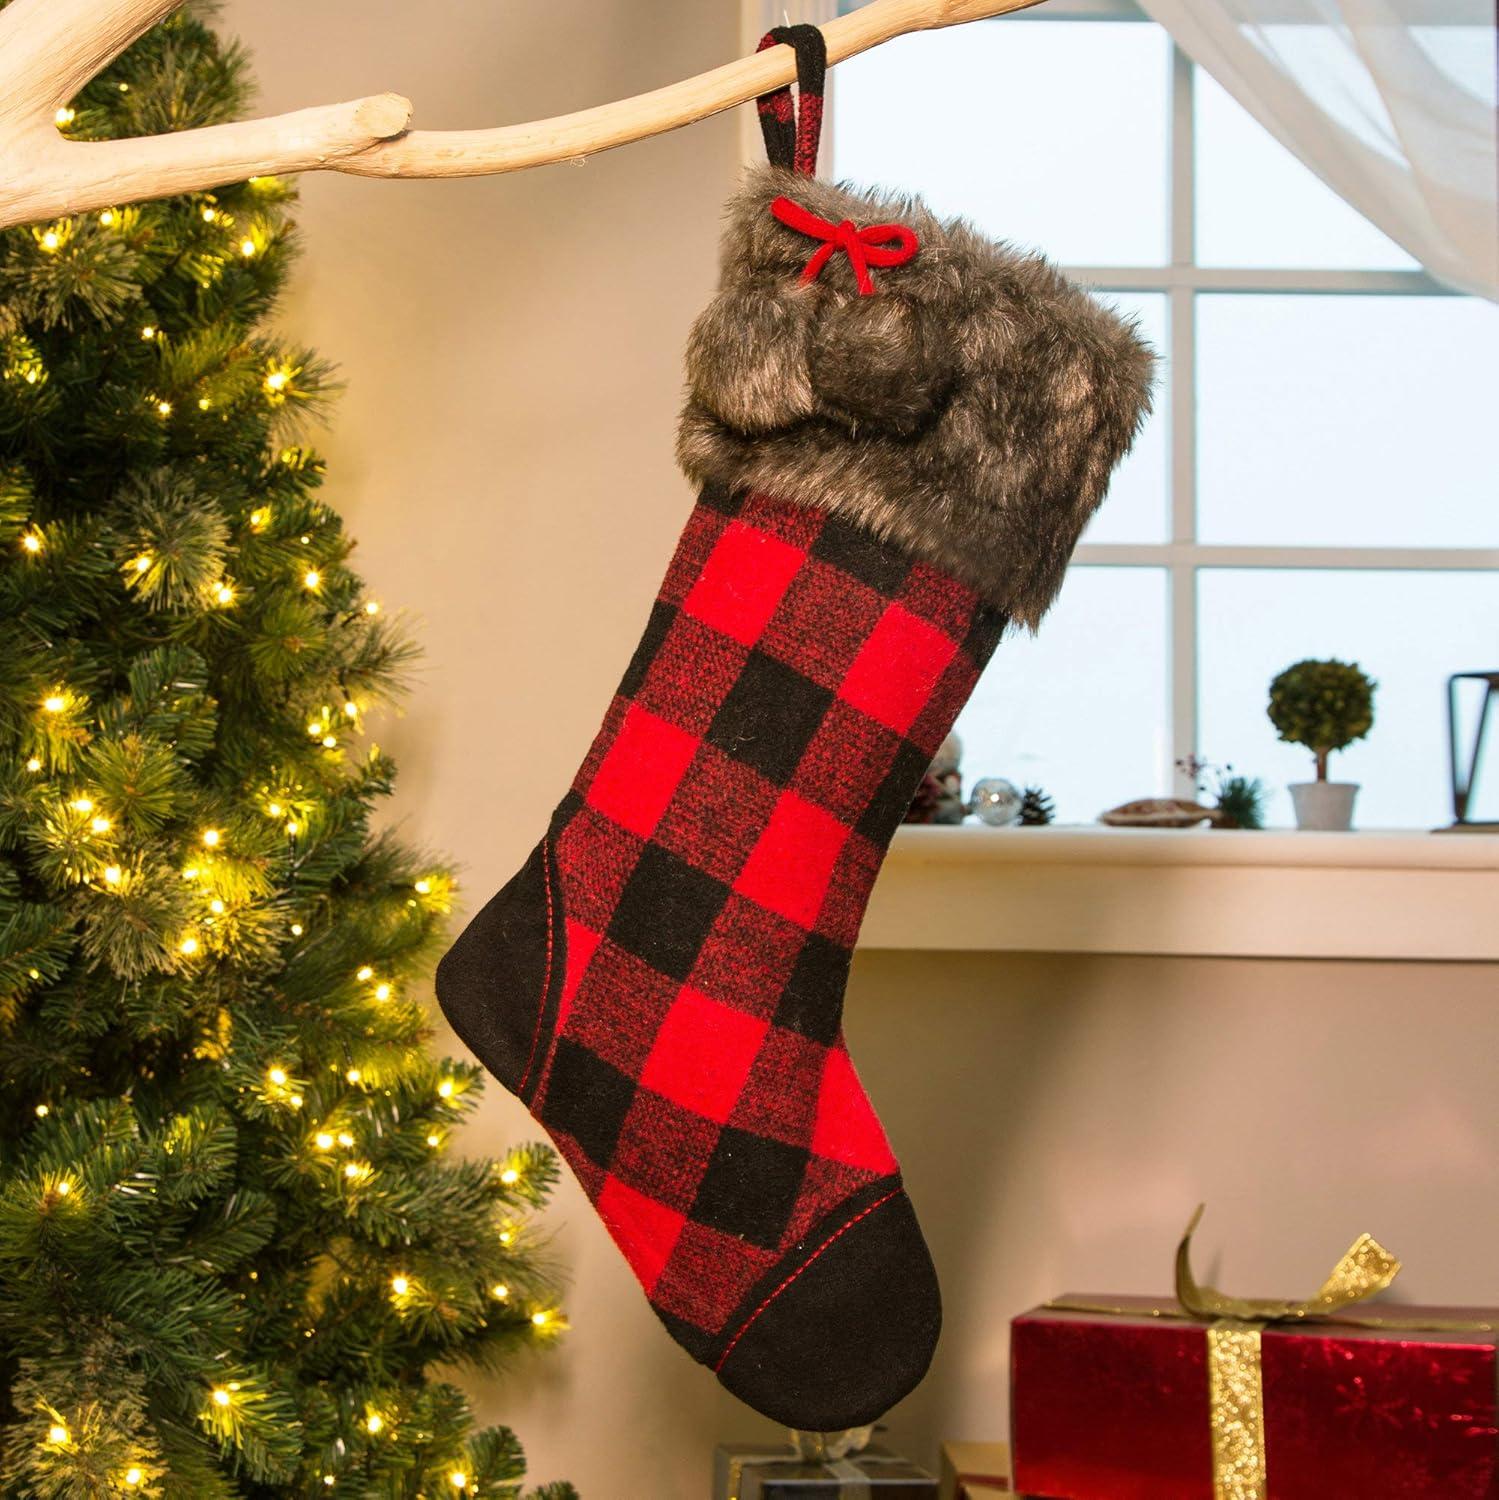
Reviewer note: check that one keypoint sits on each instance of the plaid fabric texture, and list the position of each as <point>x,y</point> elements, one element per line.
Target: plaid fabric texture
<point>707,875</point>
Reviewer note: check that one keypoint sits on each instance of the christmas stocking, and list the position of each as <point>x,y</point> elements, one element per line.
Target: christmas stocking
<point>899,430</point>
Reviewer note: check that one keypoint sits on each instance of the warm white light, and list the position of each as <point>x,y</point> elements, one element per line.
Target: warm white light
<point>506,1236</point>
<point>351,710</point>
<point>330,742</point>
<point>51,240</point>
<point>400,1285</point>
<point>64,116</point>
<point>190,873</point>
<point>223,593</point>
<point>434,1139</point>
<point>82,804</point>
<point>57,1433</point>
<point>259,517</point>
<point>211,837</point>
<point>276,380</point>
<point>344,1138</point>
<point>204,403</point>
<point>509,1176</point>
<point>499,1291</point>
<point>209,215</point>
<point>133,1476</point>
<point>34,764</point>
<point>374,1422</point>
<point>277,1076</point>
<point>382,992</point>
<point>107,218</point>
<point>311,578</point>
<point>216,906</point>
<point>100,825</point>
<point>328,1480</point>
<point>458,1479</point>
<point>294,828</point>
<point>189,946</point>
<point>54,703</point>
<point>247,248</point>
<point>149,331</point>
<point>445,1088</point>
<point>113,874</point>
<point>365,972</point>
<point>540,1319</point>
<point>43,1110</point>
<point>423,887</point>
<point>296,927</point>
<point>295,1101</point>
<point>164,408</point>
<point>323,1141</point>
<point>274,809</point>
<point>355,1169</point>
<point>64,1186</point>
<point>32,542</point>
<point>353,1075</point>
<point>143,563</point>
<point>220,1396</point>
<point>371,606</point>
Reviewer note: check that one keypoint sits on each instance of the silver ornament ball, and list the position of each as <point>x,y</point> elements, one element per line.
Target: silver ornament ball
<point>996,802</point>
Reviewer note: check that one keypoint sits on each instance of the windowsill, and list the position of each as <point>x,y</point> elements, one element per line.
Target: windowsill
<point>1275,894</point>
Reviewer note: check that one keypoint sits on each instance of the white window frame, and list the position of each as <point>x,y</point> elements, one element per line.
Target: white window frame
<point>1182,557</point>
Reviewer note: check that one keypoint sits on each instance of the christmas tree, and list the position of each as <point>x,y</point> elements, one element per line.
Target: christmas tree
<point>234,1241</point>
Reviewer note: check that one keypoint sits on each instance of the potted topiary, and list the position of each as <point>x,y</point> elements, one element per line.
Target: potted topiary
<point>1324,705</point>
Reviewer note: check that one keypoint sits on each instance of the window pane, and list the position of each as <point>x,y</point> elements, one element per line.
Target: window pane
<point>1258,206</point>
<point>1407,630</point>
<point>1348,421</point>
<point>1136,507</point>
<point>1465,54</point>
<point>1100,659</point>
<point>1047,133</point>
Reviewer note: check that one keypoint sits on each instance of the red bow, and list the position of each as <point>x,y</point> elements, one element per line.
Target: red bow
<point>878,245</point>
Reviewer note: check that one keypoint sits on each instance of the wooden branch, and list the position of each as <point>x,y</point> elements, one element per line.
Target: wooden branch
<point>49,49</point>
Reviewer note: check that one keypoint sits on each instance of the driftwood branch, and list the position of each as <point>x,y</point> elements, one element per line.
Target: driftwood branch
<point>49,49</point>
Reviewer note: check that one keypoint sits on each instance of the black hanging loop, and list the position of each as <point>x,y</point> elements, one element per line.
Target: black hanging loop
<point>792,132</point>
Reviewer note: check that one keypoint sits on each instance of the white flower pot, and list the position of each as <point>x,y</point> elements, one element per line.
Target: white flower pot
<point>1325,806</point>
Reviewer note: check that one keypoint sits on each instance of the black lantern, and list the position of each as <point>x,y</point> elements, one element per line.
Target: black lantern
<point>1465,768</point>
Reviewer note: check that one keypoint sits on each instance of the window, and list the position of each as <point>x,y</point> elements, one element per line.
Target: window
<point>1319,478</point>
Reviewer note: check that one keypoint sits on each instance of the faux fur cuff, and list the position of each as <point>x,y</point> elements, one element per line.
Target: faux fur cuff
<point>970,410</point>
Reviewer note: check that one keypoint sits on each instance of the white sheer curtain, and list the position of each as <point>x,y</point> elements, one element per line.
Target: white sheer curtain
<point>1390,102</point>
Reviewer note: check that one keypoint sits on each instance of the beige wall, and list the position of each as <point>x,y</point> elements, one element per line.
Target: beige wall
<point>512,349</point>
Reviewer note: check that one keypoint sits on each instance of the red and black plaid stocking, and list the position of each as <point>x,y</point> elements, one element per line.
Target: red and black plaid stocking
<point>899,430</point>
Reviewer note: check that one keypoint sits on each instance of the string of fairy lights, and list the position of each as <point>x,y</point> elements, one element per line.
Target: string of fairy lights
<point>230,240</point>
<point>106,864</point>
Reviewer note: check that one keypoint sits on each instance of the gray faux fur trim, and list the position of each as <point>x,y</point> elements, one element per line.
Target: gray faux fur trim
<point>970,411</point>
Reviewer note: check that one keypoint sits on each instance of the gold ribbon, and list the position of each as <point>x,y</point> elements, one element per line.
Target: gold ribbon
<point>1236,1405</point>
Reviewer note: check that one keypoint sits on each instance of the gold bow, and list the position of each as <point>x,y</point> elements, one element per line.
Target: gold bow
<point>1236,1399</point>
<point>1365,1268</point>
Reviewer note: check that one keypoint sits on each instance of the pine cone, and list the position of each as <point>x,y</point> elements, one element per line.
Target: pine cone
<point>1036,807</point>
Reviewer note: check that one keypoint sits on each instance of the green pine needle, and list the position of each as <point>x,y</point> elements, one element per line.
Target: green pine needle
<point>224,1141</point>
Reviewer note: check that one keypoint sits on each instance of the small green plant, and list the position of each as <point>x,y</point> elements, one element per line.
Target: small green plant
<point>1324,705</point>
<point>1241,800</point>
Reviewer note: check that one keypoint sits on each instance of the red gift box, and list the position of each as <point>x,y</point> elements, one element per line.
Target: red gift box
<point>1211,1398</point>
